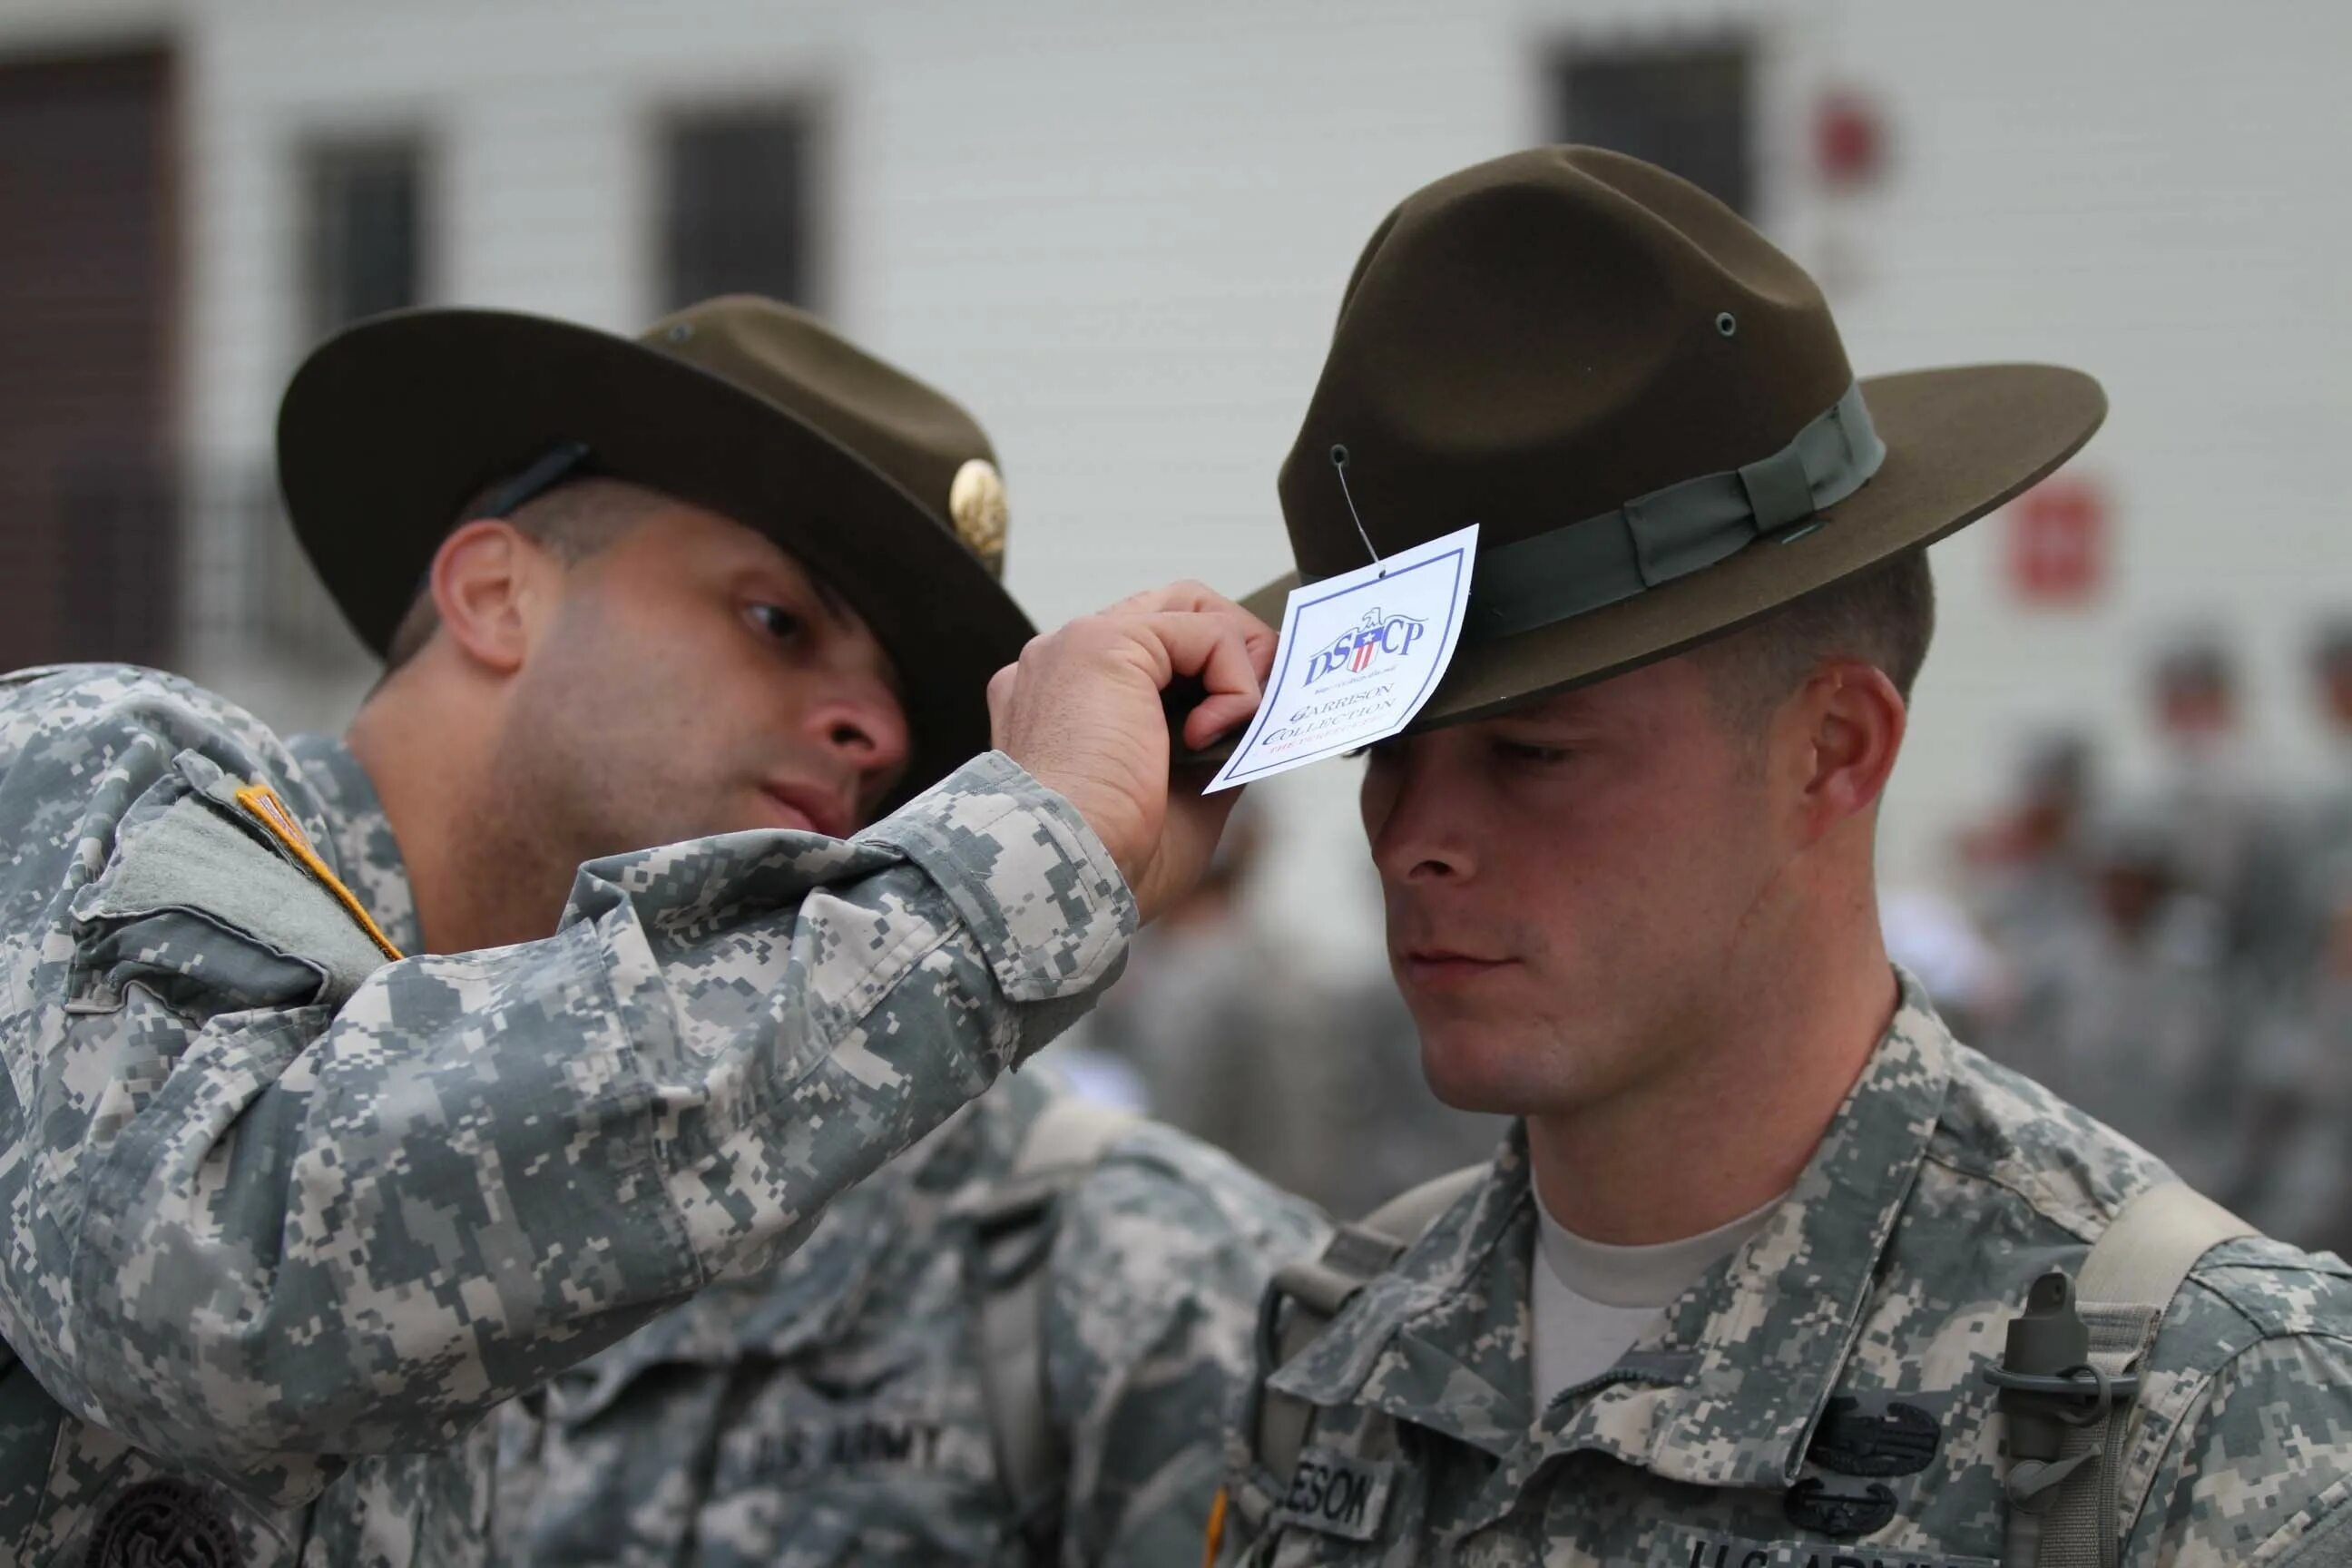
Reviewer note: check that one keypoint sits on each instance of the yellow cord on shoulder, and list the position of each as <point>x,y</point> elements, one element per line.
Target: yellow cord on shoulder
<point>262,802</point>
<point>1216,1533</point>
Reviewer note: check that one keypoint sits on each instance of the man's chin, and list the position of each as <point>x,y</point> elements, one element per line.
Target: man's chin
<point>1476,1071</point>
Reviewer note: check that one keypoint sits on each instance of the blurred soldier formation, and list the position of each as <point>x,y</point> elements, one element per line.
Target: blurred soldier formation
<point>2177,959</point>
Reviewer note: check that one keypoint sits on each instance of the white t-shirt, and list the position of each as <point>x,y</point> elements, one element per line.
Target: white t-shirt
<point>1591,1300</point>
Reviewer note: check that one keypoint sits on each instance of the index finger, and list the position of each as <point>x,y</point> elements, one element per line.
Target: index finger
<point>1183,594</point>
<point>1225,654</point>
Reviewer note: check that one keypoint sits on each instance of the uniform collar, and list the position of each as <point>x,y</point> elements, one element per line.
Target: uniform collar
<point>1725,1389</point>
<point>358,840</point>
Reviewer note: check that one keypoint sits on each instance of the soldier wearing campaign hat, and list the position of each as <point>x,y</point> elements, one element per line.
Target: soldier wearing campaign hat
<point>355,1086</point>
<point>1772,1269</point>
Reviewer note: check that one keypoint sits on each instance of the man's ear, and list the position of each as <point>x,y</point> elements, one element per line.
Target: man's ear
<point>489,586</point>
<point>1853,723</point>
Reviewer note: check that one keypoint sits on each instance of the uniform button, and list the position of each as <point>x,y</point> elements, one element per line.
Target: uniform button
<point>163,1524</point>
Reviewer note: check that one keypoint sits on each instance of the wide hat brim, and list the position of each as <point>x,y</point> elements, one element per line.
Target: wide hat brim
<point>1960,444</point>
<point>387,431</point>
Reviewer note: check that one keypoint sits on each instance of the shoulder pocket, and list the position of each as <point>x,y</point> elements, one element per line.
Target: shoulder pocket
<point>198,883</point>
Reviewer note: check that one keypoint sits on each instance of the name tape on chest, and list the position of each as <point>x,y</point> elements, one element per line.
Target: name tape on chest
<point>1335,1494</point>
<point>1735,1551</point>
<point>865,1443</point>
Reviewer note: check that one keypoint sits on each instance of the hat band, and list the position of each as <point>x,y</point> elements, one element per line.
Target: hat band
<point>1674,531</point>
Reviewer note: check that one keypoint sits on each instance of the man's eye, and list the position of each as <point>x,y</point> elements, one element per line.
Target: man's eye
<point>1530,754</point>
<point>776,621</point>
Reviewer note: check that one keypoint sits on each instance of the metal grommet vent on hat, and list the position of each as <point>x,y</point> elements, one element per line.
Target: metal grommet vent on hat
<point>976,505</point>
<point>165,1521</point>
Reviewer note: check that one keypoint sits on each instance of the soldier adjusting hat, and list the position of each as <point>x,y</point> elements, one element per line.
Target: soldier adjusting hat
<point>1647,409</point>
<point>879,485</point>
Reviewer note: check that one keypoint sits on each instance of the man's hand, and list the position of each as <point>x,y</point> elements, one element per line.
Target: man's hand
<point>1081,711</point>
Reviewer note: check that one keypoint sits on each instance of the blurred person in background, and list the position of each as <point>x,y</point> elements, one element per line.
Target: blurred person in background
<point>2020,878</point>
<point>2022,871</point>
<point>2323,837</point>
<point>292,1212</point>
<point>2299,1071</point>
<point>2234,848</point>
<point>1205,1017</point>
<point>1313,1084</point>
<point>2125,1003</point>
<point>2302,1057</point>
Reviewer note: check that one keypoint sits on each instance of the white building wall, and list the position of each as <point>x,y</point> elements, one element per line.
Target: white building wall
<point>1118,230</point>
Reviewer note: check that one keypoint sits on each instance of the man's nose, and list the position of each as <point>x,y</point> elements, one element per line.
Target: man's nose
<point>1414,815</point>
<point>862,722</point>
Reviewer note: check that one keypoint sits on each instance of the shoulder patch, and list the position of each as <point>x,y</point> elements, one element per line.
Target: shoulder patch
<point>216,858</point>
<point>261,803</point>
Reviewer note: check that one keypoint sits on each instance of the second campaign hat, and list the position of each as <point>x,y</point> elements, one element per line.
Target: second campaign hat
<point>1647,409</point>
<point>881,486</point>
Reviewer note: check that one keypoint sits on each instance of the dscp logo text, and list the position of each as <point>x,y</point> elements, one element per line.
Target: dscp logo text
<point>1354,650</point>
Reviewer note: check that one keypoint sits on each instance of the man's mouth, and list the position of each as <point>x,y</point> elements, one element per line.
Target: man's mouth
<point>809,809</point>
<point>1444,967</point>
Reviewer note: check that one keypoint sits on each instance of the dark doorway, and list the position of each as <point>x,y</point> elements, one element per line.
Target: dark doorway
<point>89,564</point>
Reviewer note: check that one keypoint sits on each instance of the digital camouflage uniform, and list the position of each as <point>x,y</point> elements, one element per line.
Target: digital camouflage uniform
<point>274,1205</point>
<point>1828,1375</point>
<point>835,1411</point>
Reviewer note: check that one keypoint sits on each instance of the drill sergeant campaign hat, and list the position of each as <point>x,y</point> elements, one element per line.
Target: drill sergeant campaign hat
<point>1647,409</point>
<point>881,486</point>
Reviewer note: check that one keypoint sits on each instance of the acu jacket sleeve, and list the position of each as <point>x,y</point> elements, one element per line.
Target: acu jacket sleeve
<point>273,1200</point>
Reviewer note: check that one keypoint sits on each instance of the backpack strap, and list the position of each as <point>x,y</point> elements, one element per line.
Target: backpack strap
<point>2155,1241</point>
<point>1316,1291</point>
<point>2072,1368</point>
<point>1015,1224</point>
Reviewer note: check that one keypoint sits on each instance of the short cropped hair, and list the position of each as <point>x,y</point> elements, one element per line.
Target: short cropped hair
<point>1883,617</point>
<point>575,520</point>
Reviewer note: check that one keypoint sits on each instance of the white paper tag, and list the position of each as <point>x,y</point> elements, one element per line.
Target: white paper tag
<point>1359,655</point>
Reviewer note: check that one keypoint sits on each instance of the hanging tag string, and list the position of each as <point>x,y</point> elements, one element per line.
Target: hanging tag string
<point>1339,463</point>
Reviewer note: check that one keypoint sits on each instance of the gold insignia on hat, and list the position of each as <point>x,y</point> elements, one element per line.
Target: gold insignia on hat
<point>976,506</point>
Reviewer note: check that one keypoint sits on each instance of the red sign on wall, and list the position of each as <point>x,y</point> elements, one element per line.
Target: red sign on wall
<point>1849,139</point>
<point>2058,542</point>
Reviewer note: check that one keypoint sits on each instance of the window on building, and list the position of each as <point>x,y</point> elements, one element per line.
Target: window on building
<point>363,230</point>
<point>736,215</point>
<point>362,247</point>
<point>1685,105</point>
